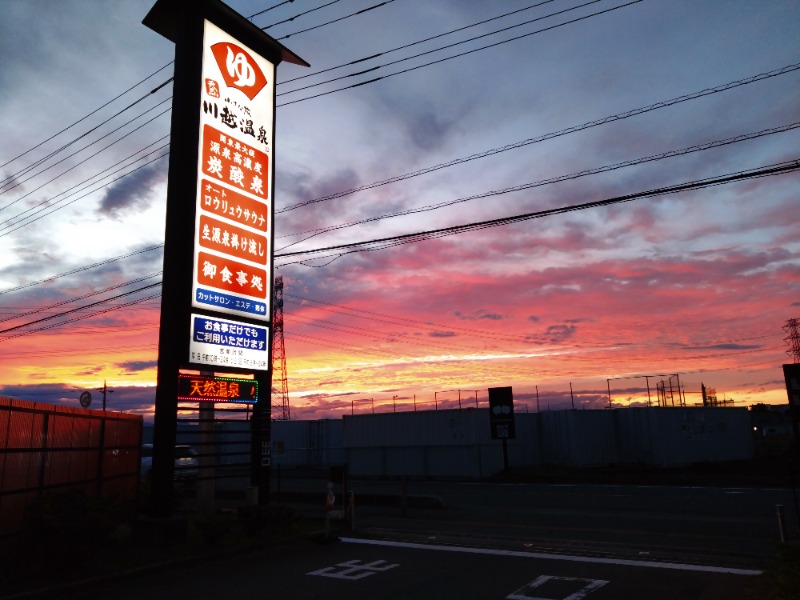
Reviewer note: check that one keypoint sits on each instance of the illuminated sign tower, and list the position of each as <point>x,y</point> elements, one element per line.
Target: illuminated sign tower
<point>216,303</point>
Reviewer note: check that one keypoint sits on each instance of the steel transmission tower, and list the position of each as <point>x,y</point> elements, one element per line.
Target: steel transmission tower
<point>792,329</point>
<point>279,402</point>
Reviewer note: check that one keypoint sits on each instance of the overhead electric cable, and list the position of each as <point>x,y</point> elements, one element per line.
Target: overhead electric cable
<point>465,53</point>
<point>298,15</point>
<point>552,135</point>
<point>355,14</point>
<point>80,308</point>
<point>81,317</point>
<point>411,44</point>
<point>266,10</point>
<point>448,46</point>
<point>551,180</point>
<point>81,269</point>
<point>386,242</point>
<point>53,201</point>
<point>32,166</point>
<point>76,299</point>
<point>8,230</point>
<point>68,127</point>
<point>83,160</point>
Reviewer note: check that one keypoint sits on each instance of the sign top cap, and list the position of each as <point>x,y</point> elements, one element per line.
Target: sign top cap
<point>164,19</point>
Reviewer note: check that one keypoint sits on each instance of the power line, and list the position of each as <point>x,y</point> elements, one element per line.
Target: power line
<point>75,166</point>
<point>51,203</point>
<point>465,53</point>
<point>297,16</point>
<point>558,179</point>
<point>266,10</point>
<point>387,242</point>
<point>454,44</point>
<point>71,300</point>
<point>16,226</point>
<point>555,134</point>
<point>80,308</point>
<point>95,111</point>
<point>32,166</point>
<point>81,269</point>
<point>331,22</point>
<point>411,44</point>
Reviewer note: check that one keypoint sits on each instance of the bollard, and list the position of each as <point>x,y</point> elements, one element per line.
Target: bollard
<point>352,512</point>
<point>781,524</point>
<point>330,501</point>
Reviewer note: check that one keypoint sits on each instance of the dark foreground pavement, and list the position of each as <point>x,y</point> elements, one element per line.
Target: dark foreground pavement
<point>415,539</point>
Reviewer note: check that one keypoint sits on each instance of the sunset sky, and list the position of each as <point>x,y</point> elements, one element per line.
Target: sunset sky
<point>468,111</point>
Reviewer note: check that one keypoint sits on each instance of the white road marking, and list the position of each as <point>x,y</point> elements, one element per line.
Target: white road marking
<point>353,569</point>
<point>591,586</point>
<point>541,555</point>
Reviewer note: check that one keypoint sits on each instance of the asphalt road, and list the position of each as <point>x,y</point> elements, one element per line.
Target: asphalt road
<point>714,525</point>
<point>504,541</point>
<point>352,569</point>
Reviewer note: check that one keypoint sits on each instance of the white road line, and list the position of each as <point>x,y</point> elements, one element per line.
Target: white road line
<point>584,559</point>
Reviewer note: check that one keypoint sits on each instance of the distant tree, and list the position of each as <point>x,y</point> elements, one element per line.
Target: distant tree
<point>759,407</point>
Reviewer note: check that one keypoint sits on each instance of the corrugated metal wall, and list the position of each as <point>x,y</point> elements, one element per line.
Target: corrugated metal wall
<point>47,447</point>
<point>457,443</point>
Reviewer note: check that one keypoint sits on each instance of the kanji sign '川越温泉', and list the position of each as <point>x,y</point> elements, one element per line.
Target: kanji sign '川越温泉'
<point>232,218</point>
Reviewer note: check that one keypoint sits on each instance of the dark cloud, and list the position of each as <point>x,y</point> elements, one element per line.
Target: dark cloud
<point>135,366</point>
<point>133,191</point>
<point>330,382</point>
<point>442,334</point>
<point>554,334</point>
<point>725,347</point>
<point>478,315</point>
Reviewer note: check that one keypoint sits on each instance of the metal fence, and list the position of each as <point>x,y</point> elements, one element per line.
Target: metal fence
<point>45,447</point>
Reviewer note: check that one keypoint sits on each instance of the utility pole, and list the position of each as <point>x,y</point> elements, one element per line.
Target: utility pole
<point>105,390</point>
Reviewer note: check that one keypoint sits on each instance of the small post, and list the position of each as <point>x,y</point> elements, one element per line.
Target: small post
<point>352,512</point>
<point>781,523</point>
<point>330,501</point>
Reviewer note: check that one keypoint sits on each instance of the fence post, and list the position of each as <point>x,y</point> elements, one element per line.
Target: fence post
<point>100,457</point>
<point>43,454</point>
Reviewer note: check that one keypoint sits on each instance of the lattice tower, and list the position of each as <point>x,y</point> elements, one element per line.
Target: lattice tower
<point>279,402</point>
<point>792,339</point>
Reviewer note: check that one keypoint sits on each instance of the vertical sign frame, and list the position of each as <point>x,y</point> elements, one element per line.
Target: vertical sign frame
<point>501,417</point>
<point>211,39</point>
<point>791,374</point>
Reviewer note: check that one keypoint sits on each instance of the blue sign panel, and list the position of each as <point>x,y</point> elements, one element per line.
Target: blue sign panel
<point>223,343</point>
<point>229,302</point>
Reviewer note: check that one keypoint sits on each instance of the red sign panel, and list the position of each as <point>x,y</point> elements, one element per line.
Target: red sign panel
<point>228,203</point>
<point>231,240</point>
<point>233,162</point>
<point>231,276</point>
<point>238,69</point>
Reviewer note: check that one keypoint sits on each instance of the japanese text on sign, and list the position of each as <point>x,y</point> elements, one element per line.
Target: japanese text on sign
<point>220,342</point>
<point>233,213</point>
<point>217,389</point>
<point>234,162</point>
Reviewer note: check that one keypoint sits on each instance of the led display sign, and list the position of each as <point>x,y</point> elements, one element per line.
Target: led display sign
<point>199,388</point>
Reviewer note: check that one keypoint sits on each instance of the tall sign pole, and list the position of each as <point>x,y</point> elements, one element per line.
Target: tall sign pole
<point>216,304</point>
